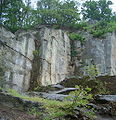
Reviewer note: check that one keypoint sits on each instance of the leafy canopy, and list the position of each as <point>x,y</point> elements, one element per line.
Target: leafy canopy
<point>97,10</point>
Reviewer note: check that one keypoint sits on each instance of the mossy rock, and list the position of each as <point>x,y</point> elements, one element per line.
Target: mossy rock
<point>99,85</point>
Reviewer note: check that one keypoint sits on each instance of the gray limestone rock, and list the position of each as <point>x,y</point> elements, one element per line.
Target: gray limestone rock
<point>97,51</point>
<point>17,54</point>
<point>63,91</point>
<point>40,55</point>
<point>106,98</point>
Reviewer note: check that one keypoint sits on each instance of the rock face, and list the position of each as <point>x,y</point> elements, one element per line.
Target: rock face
<point>98,51</point>
<point>55,56</point>
<point>17,54</point>
<point>39,56</point>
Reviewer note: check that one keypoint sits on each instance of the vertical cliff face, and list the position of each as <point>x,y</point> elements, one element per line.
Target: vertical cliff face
<point>113,54</point>
<point>100,52</point>
<point>54,56</point>
<point>17,56</point>
<point>40,56</point>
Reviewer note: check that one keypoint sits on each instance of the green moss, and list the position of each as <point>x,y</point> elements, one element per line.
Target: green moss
<point>98,86</point>
<point>56,109</point>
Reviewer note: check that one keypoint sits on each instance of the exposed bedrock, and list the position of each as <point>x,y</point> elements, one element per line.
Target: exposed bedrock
<point>41,56</point>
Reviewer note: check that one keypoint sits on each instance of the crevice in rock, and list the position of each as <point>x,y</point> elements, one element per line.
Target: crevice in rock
<point>5,44</point>
<point>26,52</point>
<point>36,64</point>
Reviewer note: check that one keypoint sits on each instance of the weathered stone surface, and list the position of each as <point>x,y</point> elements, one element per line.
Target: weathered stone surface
<point>16,102</point>
<point>97,51</point>
<point>41,56</point>
<point>50,96</point>
<point>106,98</point>
<point>17,57</point>
<point>48,65</point>
<point>108,82</point>
<point>55,54</point>
<point>64,91</point>
<point>53,96</point>
<point>57,86</point>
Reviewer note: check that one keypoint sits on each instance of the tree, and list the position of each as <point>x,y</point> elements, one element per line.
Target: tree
<point>47,11</point>
<point>55,12</point>
<point>15,14</point>
<point>11,13</point>
<point>69,14</point>
<point>113,18</point>
<point>97,10</point>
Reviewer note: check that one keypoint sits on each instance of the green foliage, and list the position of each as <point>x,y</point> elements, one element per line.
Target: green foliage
<point>54,12</point>
<point>73,53</point>
<point>35,53</point>
<point>11,13</point>
<point>91,70</point>
<point>75,36</point>
<point>80,26</point>
<point>15,14</point>
<point>59,109</point>
<point>59,14</point>
<point>101,28</point>
<point>97,86</point>
<point>113,18</point>
<point>111,26</point>
<point>97,10</point>
<point>34,111</point>
<point>80,98</point>
<point>1,89</point>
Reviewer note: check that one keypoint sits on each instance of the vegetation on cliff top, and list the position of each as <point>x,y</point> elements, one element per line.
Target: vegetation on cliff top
<point>15,14</point>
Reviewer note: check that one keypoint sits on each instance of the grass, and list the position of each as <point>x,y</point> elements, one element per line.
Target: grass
<point>58,109</point>
<point>53,108</point>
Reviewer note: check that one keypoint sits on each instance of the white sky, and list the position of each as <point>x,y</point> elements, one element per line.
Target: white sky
<point>112,6</point>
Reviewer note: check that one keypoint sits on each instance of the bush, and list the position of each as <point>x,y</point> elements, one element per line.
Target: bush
<point>100,28</point>
<point>98,87</point>
<point>80,100</point>
<point>75,36</point>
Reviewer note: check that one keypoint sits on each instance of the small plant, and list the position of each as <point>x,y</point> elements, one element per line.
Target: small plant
<point>1,89</point>
<point>73,53</point>
<point>91,71</point>
<point>34,111</point>
<point>80,100</point>
<point>96,85</point>
<point>35,53</point>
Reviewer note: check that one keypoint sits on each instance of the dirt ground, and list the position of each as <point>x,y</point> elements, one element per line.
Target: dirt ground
<point>14,114</point>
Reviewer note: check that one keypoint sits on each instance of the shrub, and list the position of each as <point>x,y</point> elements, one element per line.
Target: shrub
<point>80,100</point>
<point>100,28</point>
<point>75,36</point>
<point>97,86</point>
